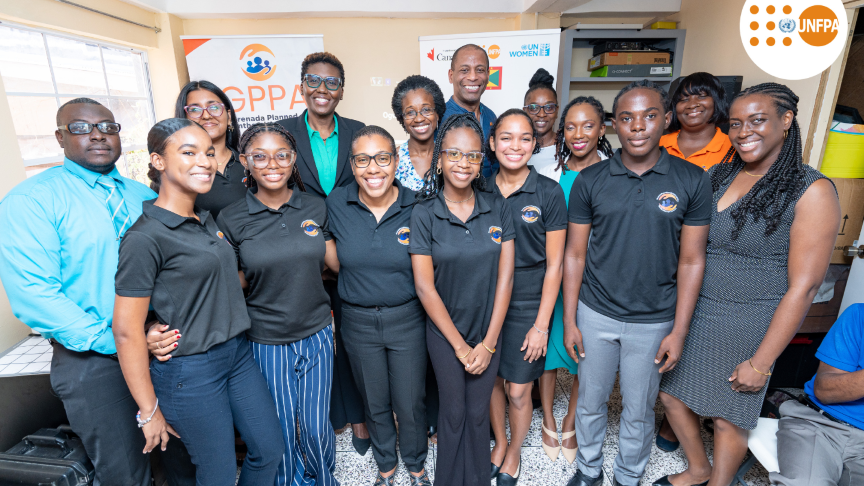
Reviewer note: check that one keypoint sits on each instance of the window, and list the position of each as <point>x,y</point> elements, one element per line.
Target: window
<point>41,71</point>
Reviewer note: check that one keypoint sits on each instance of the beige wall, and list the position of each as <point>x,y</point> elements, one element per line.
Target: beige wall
<point>368,47</point>
<point>713,44</point>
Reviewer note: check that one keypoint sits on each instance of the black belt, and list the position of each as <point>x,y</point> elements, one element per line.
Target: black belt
<point>53,341</point>
<point>805,400</point>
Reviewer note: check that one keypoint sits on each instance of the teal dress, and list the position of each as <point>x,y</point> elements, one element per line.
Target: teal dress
<point>556,354</point>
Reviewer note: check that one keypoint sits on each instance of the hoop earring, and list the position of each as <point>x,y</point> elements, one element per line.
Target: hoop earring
<point>438,170</point>
<point>478,175</point>
<point>785,134</point>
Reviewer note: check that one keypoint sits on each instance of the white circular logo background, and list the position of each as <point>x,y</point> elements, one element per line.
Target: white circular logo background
<point>779,50</point>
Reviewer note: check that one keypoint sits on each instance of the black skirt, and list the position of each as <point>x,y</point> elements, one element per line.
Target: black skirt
<point>520,318</point>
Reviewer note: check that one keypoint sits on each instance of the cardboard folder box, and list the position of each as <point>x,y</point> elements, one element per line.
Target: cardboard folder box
<point>851,193</point>
<point>623,58</point>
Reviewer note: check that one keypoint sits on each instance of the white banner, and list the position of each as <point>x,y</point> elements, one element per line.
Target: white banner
<point>513,58</point>
<point>261,74</point>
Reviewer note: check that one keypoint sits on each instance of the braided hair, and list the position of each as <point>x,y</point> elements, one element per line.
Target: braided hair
<point>258,129</point>
<point>433,182</point>
<point>541,80</point>
<point>774,191</point>
<point>491,154</point>
<point>562,151</point>
<point>157,143</point>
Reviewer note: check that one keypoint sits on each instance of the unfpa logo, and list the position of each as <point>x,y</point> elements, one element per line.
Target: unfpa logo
<point>793,40</point>
<point>258,62</point>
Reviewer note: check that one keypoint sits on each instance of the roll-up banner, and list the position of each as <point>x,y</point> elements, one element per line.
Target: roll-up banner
<point>513,58</point>
<point>261,74</point>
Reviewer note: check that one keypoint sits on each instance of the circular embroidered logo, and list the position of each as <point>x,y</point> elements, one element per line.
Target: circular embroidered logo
<point>530,214</point>
<point>668,202</point>
<point>220,234</point>
<point>310,227</point>
<point>403,235</point>
<point>495,233</point>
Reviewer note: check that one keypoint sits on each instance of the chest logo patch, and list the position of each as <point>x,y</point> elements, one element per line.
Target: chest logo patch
<point>530,214</point>
<point>495,233</point>
<point>668,202</point>
<point>310,227</point>
<point>403,235</point>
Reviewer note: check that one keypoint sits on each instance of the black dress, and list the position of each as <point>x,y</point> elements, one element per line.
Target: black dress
<point>744,281</point>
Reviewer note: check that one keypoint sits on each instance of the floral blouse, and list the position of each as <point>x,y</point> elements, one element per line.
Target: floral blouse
<point>405,172</point>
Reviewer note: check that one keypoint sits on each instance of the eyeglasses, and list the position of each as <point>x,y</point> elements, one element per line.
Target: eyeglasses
<point>261,161</point>
<point>426,112</point>
<point>534,108</point>
<point>455,155</point>
<point>332,83</point>
<point>83,128</point>
<point>193,111</point>
<point>361,161</point>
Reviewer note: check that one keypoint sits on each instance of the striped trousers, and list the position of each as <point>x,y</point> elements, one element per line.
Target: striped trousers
<point>299,376</point>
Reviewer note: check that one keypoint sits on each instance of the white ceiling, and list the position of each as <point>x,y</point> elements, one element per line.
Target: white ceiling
<point>260,9</point>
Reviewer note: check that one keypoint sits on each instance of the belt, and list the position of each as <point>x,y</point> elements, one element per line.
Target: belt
<point>411,302</point>
<point>53,342</point>
<point>805,400</point>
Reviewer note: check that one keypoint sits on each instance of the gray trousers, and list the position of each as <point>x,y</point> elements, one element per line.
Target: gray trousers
<point>815,451</point>
<point>612,346</point>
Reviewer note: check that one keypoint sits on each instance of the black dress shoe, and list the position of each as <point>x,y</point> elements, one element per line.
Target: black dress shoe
<point>664,481</point>
<point>505,479</point>
<point>361,445</point>
<point>582,480</point>
<point>495,470</point>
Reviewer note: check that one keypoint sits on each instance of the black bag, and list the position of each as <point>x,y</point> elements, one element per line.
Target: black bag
<point>50,457</point>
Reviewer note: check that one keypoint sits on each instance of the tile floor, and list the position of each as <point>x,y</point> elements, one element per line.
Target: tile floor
<point>32,355</point>
<point>537,470</point>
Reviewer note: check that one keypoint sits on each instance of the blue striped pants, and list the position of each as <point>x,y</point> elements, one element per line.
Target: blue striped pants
<point>299,376</point>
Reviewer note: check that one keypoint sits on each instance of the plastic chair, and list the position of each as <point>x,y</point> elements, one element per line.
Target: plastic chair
<point>762,442</point>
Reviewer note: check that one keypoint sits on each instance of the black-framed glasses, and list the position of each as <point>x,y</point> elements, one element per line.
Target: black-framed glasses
<point>425,112</point>
<point>261,161</point>
<point>361,161</point>
<point>194,111</point>
<point>534,108</point>
<point>84,128</point>
<point>332,83</point>
<point>474,157</point>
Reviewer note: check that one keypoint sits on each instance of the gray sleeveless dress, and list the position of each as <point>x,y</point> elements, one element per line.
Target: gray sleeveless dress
<point>743,284</point>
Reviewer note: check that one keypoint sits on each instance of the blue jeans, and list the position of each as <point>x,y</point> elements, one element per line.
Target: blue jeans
<point>300,377</point>
<point>204,396</point>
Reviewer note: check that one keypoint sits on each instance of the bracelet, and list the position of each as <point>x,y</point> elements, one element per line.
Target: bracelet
<point>538,330</point>
<point>142,423</point>
<point>491,351</point>
<point>463,357</point>
<point>757,371</point>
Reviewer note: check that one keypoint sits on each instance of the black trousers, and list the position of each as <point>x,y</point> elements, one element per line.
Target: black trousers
<point>387,347</point>
<point>464,452</point>
<point>346,404</point>
<point>101,411</point>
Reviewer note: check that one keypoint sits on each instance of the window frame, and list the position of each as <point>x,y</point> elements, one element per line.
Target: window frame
<point>148,88</point>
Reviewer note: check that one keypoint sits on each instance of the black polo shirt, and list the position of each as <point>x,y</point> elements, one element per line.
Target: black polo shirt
<point>281,253</point>
<point>465,257</point>
<point>374,264</point>
<point>537,207</point>
<point>228,187</point>
<point>632,261</point>
<point>190,273</point>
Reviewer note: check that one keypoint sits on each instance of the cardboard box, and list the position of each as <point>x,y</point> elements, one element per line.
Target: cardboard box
<point>851,192</point>
<point>664,25</point>
<point>624,58</point>
<point>636,70</point>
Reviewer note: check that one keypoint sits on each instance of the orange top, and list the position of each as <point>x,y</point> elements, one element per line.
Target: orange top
<point>710,155</point>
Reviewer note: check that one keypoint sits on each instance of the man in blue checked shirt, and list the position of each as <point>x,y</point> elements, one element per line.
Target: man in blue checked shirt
<point>59,238</point>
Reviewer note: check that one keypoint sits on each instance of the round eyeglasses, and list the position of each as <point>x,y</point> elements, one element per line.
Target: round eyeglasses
<point>534,108</point>
<point>195,111</point>
<point>425,112</point>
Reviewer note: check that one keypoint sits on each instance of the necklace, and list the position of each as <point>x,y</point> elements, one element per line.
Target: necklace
<point>459,202</point>
<point>752,175</point>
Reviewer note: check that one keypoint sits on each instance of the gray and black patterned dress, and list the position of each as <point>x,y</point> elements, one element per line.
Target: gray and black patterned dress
<point>744,282</point>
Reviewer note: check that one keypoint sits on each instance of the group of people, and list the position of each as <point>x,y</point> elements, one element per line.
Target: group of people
<point>311,274</point>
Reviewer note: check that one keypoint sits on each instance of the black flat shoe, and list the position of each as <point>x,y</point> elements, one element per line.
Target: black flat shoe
<point>495,470</point>
<point>664,481</point>
<point>421,480</point>
<point>505,479</point>
<point>665,444</point>
<point>361,445</point>
<point>582,480</point>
